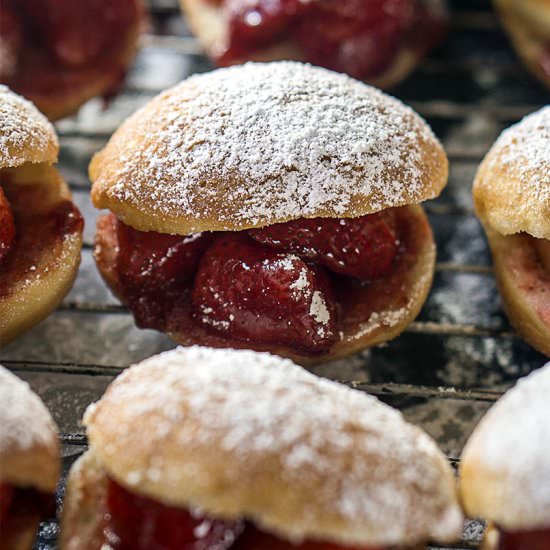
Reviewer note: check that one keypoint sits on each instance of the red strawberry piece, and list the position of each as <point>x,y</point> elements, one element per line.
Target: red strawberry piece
<point>253,539</point>
<point>142,523</point>
<point>10,41</point>
<point>258,23</point>
<point>154,268</point>
<point>6,497</point>
<point>358,37</point>
<point>537,539</point>
<point>7,225</point>
<point>77,32</point>
<point>251,292</point>
<point>362,247</point>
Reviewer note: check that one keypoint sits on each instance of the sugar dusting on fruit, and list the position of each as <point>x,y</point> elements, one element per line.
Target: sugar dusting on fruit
<point>280,141</point>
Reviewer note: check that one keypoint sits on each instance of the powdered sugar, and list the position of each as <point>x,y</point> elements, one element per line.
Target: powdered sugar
<point>24,420</point>
<point>295,138</point>
<point>524,148</point>
<point>375,467</point>
<point>22,126</point>
<point>512,442</point>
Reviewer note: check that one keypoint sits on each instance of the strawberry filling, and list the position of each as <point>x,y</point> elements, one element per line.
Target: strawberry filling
<point>359,37</point>
<point>282,285</point>
<point>538,539</point>
<point>141,523</point>
<point>56,46</point>
<point>20,506</point>
<point>7,225</point>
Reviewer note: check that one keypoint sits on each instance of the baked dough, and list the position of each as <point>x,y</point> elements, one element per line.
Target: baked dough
<point>244,434</point>
<point>209,24</point>
<point>42,265</point>
<point>29,452</point>
<point>512,199</point>
<point>505,466</point>
<point>259,144</point>
<point>528,22</point>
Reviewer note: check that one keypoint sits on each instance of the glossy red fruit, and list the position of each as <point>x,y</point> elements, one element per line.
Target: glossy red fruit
<point>77,32</point>
<point>154,268</point>
<point>10,40</point>
<point>141,523</point>
<point>362,247</point>
<point>249,291</point>
<point>358,37</point>
<point>538,539</point>
<point>7,226</point>
<point>254,24</point>
<point>6,497</point>
<point>253,539</point>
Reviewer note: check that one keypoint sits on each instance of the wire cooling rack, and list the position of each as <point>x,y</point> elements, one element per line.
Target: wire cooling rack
<point>443,372</point>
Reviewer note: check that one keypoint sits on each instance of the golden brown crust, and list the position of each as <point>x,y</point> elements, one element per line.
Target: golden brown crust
<point>505,466</point>
<point>180,165</point>
<point>512,186</point>
<point>242,434</point>
<point>383,314</point>
<point>25,133</point>
<point>43,262</point>
<point>29,446</point>
<point>209,25</point>
<point>528,22</point>
<point>83,519</point>
<point>523,286</point>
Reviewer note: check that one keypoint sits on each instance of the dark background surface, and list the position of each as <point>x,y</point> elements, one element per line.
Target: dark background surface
<point>443,372</point>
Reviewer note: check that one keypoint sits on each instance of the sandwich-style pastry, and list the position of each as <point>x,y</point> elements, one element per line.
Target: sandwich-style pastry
<point>243,450</point>
<point>505,468</point>
<point>60,53</point>
<point>380,41</point>
<point>528,22</point>
<point>270,206</point>
<point>40,227</point>
<point>512,200</point>
<point>29,463</point>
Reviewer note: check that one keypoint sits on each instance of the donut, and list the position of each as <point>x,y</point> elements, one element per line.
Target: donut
<point>59,54</point>
<point>270,206</point>
<point>380,41</point>
<point>40,227</point>
<point>512,200</point>
<point>505,467</point>
<point>245,450</point>
<point>29,463</point>
<point>528,23</point>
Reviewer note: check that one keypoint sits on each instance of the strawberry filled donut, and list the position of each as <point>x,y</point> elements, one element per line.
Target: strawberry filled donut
<point>512,200</point>
<point>29,463</point>
<point>60,53</point>
<point>238,450</point>
<point>40,227</point>
<point>380,41</point>
<point>273,207</point>
<point>505,468</point>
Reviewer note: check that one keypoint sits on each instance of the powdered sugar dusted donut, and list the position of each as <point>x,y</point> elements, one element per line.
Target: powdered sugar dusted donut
<point>512,199</point>
<point>40,228</point>
<point>272,206</point>
<point>29,462</point>
<point>245,436</point>
<point>505,466</point>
